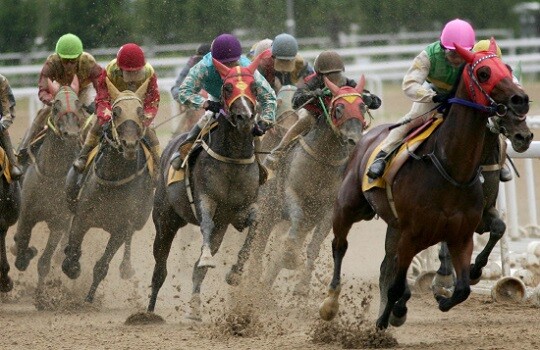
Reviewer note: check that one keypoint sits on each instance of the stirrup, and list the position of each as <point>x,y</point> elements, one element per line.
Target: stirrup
<point>15,172</point>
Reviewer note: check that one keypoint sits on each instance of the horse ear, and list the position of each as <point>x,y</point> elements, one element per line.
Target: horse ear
<point>333,87</point>
<point>75,84</point>
<point>52,86</point>
<point>466,54</point>
<point>255,63</point>
<point>361,84</point>
<point>492,45</point>
<point>141,91</point>
<point>113,91</point>
<point>222,69</point>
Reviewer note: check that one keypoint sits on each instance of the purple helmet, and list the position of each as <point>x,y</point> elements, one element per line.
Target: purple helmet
<point>226,48</point>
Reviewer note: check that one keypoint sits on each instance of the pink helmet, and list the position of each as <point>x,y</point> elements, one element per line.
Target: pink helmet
<point>460,32</point>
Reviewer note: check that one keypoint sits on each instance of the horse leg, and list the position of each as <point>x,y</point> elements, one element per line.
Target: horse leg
<point>443,282</point>
<point>207,210</point>
<point>397,288</point>
<point>71,266</point>
<point>116,239</point>
<point>126,270</point>
<point>199,272</point>
<point>6,284</point>
<point>496,227</point>
<point>166,224</point>
<point>314,247</point>
<point>44,262</point>
<point>461,256</point>
<point>22,240</point>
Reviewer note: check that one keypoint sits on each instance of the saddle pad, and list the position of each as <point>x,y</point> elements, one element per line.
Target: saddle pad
<point>4,165</point>
<point>399,159</point>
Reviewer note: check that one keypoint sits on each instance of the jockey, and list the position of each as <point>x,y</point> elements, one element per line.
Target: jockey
<point>285,66</point>
<point>68,60</point>
<point>128,71</point>
<point>202,50</point>
<point>505,174</point>
<point>226,49</point>
<point>427,83</point>
<point>7,101</point>
<point>329,64</point>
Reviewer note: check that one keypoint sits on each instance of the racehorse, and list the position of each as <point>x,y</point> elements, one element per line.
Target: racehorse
<point>437,193</point>
<point>304,189</point>
<point>223,183</point>
<point>116,190</point>
<point>43,190</point>
<point>10,205</point>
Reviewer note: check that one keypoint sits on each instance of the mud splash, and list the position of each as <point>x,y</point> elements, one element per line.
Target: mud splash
<point>54,296</point>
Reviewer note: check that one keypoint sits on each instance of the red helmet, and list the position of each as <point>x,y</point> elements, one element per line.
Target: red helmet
<point>130,57</point>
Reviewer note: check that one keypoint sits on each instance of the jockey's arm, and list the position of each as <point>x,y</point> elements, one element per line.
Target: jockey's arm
<point>43,85</point>
<point>415,78</point>
<point>188,92</point>
<point>266,97</point>
<point>103,99</point>
<point>151,100</point>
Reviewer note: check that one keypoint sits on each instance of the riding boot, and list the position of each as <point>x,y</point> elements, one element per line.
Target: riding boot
<point>185,147</point>
<point>505,174</point>
<point>263,172</point>
<point>14,169</point>
<point>92,140</point>
<point>37,125</point>
<point>376,169</point>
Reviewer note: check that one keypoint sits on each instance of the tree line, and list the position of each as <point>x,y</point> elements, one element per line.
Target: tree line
<point>36,24</point>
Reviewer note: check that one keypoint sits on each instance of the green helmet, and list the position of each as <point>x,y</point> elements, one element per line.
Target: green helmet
<point>69,46</point>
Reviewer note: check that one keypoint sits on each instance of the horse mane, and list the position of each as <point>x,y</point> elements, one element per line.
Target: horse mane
<point>453,91</point>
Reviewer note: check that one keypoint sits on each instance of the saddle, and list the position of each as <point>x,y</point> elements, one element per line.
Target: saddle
<point>400,156</point>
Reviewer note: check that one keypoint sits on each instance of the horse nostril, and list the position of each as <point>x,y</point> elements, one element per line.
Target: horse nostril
<point>519,100</point>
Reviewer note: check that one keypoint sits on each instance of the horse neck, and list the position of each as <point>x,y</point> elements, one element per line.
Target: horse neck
<point>460,141</point>
<point>112,165</point>
<point>228,141</point>
<point>323,139</point>
<point>56,154</point>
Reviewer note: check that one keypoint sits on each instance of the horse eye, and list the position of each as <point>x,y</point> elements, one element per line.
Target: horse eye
<point>339,110</point>
<point>484,74</point>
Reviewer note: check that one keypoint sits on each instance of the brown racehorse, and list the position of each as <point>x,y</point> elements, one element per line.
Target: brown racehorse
<point>437,193</point>
<point>224,180</point>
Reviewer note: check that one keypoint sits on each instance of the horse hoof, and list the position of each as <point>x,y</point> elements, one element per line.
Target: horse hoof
<point>233,278</point>
<point>6,286</point>
<point>71,269</point>
<point>381,323</point>
<point>23,260</point>
<point>443,285</point>
<point>445,304</point>
<point>397,321</point>
<point>329,308</point>
<point>89,299</point>
<point>126,272</point>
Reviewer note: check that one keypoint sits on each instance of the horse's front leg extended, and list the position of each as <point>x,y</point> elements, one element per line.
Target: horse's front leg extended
<point>496,227</point>
<point>461,256</point>
<point>126,270</point>
<point>199,272</point>
<point>207,209</point>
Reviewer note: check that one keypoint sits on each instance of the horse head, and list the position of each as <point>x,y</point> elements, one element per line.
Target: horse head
<point>347,110</point>
<point>127,125</point>
<point>490,83</point>
<point>67,115</point>
<point>238,93</point>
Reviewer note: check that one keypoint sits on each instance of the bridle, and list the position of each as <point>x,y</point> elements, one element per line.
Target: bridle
<point>70,96</point>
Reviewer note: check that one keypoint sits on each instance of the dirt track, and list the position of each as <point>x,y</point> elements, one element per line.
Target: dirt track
<point>278,321</point>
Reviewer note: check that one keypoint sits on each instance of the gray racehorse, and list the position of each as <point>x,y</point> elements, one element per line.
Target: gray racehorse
<point>117,191</point>
<point>43,194</point>
<point>305,187</point>
<point>223,181</point>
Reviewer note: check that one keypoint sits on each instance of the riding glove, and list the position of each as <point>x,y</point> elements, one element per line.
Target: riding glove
<point>213,106</point>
